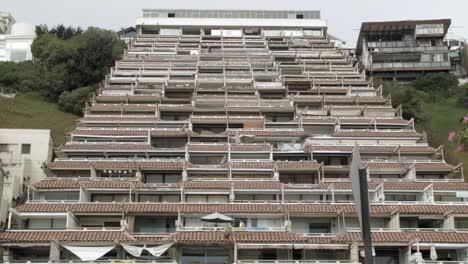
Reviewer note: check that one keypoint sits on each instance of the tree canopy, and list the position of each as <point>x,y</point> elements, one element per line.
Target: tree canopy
<point>65,59</point>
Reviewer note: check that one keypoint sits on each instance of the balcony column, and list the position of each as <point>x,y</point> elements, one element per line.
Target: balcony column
<point>394,222</point>
<point>54,253</point>
<point>449,222</point>
<point>131,223</point>
<point>6,255</point>
<point>234,257</point>
<point>93,173</point>
<point>405,255</point>
<point>354,252</point>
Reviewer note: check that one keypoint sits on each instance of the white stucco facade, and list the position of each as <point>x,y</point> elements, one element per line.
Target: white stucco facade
<point>22,155</point>
<point>15,39</point>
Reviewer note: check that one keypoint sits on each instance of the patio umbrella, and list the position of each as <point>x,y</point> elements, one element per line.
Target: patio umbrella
<point>216,218</point>
<point>433,253</point>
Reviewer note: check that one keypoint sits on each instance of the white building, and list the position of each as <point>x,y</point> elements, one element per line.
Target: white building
<point>22,155</point>
<point>15,39</point>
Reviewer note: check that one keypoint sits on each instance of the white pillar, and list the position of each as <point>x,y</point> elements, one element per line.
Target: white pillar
<point>54,253</point>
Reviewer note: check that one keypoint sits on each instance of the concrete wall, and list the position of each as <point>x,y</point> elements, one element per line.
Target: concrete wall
<point>22,169</point>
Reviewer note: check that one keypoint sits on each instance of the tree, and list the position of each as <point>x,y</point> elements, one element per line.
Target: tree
<point>74,101</point>
<point>408,97</point>
<point>60,31</point>
<point>436,85</point>
<point>97,49</point>
<point>48,50</point>
<point>411,101</point>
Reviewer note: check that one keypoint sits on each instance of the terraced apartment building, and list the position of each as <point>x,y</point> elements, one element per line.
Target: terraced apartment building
<point>252,115</point>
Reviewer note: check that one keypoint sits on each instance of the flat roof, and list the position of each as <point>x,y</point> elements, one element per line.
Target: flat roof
<point>388,26</point>
<point>232,13</point>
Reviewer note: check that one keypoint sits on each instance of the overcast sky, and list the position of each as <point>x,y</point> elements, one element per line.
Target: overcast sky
<point>344,16</point>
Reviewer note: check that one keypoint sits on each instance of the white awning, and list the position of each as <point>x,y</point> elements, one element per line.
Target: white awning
<point>89,253</point>
<point>155,251</point>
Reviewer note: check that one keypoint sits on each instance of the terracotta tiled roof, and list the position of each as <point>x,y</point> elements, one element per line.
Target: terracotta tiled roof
<point>224,119</point>
<point>130,98</point>
<point>380,134</point>
<point>272,237</point>
<point>75,207</point>
<point>123,107</point>
<point>68,236</point>
<point>394,121</point>
<point>169,133</point>
<point>208,147</point>
<point>118,119</point>
<point>124,165</point>
<point>310,120</point>
<point>433,166</point>
<point>72,184</point>
<point>252,165</point>
<point>110,132</point>
<point>420,166</point>
<point>288,165</point>
<point>302,209</point>
<point>235,184</point>
<point>269,133</point>
<point>406,237</point>
<point>238,236</point>
<point>246,147</point>
<point>207,185</point>
<point>106,147</point>
<point>234,147</point>
<point>200,237</point>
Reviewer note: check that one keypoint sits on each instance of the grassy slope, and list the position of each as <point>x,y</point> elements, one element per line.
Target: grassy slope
<point>443,118</point>
<point>31,111</point>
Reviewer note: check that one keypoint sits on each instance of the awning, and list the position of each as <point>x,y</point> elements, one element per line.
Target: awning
<point>155,251</point>
<point>89,253</point>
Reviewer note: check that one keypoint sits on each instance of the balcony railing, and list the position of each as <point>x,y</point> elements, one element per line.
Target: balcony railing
<point>409,65</point>
<point>445,262</point>
<point>297,262</point>
<point>116,261</point>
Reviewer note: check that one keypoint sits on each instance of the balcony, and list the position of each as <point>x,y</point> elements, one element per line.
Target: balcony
<point>95,262</point>
<point>303,262</point>
<point>410,66</point>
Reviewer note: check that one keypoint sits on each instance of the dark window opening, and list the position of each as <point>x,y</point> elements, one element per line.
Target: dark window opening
<point>25,148</point>
<point>299,16</point>
<point>171,15</point>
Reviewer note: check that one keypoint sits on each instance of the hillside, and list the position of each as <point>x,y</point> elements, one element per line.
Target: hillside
<point>443,117</point>
<point>31,111</point>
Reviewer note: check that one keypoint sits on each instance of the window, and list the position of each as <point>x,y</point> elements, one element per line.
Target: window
<point>171,15</point>
<point>316,228</point>
<point>25,148</point>
<point>163,177</point>
<point>110,198</point>
<point>299,16</point>
<point>45,224</point>
<point>3,147</point>
<point>62,196</point>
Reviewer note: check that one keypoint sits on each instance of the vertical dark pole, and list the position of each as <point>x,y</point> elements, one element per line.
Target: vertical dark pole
<point>366,224</point>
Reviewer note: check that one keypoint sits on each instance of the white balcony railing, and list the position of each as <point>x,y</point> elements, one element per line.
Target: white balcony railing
<point>115,261</point>
<point>296,262</point>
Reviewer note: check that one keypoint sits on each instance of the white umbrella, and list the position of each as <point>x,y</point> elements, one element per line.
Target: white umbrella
<point>217,218</point>
<point>433,253</point>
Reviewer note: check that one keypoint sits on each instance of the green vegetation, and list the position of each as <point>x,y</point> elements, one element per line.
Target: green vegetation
<point>444,118</point>
<point>31,111</point>
<point>66,59</point>
<point>433,101</point>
